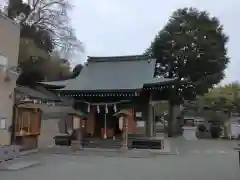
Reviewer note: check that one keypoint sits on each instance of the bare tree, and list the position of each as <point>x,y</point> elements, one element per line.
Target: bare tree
<point>52,16</point>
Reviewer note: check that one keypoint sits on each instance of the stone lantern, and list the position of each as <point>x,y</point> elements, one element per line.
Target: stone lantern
<point>123,122</point>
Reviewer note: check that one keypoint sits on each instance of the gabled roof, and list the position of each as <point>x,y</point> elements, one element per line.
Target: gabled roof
<point>159,81</point>
<point>119,73</point>
<point>55,84</point>
<point>113,73</point>
<point>36,94</point>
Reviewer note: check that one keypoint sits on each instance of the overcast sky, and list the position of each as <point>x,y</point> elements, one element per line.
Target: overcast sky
<point>125,27</point>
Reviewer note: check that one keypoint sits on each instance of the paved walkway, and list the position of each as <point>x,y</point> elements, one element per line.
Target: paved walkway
<point>182,167</point>
<point>201,159</point>
<point>167,150</point>
<point>20,163</point>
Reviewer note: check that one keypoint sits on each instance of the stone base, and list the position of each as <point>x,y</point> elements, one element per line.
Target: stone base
<point>124,149</point>
<point>76,145</point>
<point>14,166</point>
<point>189,133</point>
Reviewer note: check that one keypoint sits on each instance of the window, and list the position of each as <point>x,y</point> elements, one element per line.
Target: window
<point>3,62</point>
<point>2,123</point>
<point>28,122</point>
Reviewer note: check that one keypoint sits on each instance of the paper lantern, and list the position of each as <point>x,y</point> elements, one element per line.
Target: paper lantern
<point>121,120</point>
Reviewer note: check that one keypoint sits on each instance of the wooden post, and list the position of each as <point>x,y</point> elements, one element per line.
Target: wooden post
<point>105,126</point>
<point>14,117</point>
<point>77,144</point>
<point>125,134</point>
<point>80,134</point>
<point>150,116</point>
<point>239,157</point>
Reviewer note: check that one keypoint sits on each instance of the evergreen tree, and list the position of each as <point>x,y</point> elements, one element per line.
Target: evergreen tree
<point>192,48</point>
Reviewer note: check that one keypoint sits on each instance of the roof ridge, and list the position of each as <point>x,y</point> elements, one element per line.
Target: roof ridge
<point>118,58</point>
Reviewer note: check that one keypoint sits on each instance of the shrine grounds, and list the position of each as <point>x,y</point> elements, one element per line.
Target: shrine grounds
<point>201,159</point>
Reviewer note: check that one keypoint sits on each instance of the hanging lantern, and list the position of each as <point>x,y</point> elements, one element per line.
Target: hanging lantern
<point>121,123</point>
<point>98,109</point>
<point>88,109</point>
<point>106,109</point>
<point>115,108</point>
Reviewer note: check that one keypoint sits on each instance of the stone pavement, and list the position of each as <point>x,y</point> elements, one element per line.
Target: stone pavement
<point>134,153</point>
<point>19,163</point>
<point>182,167</point>
<point>201,159</point>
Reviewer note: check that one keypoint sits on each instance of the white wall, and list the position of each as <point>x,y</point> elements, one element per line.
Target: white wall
<point>9,47</point>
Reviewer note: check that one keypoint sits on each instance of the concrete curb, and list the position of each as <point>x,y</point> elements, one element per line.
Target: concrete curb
<point>27,152</point>
<point>156,152</point>
<point>15,166</point>
<point>23,153</point>
<point>136,153</point>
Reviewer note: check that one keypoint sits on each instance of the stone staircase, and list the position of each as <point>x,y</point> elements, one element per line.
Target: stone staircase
<point>90,142</point>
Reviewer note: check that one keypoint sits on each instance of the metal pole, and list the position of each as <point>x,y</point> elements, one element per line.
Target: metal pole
<point>105,126</point>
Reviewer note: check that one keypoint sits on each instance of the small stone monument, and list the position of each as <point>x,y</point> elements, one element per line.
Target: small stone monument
<point>189,130</point>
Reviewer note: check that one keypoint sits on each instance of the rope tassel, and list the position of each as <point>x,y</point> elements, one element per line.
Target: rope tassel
<point>98,109</point>
<point>88,110</point>
<point>115,108</point>
<point>106,109</point>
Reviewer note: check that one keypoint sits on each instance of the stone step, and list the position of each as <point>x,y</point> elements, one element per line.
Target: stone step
<point>99,143</point>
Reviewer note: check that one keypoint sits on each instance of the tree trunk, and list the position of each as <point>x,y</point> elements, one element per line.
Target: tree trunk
<point>226,128</point>
<point>173,124</point>
<point>170,118</point>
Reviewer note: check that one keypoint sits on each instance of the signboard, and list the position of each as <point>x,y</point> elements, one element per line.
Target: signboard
<point>3,61</point>
<point>138,114</point>
<point>140,124</point>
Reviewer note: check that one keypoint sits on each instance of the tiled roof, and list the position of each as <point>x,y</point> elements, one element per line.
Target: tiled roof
<point>55,83</point>
<point>116,73</point>
<point>159,81</point>
<point>113,73</point>
<point>36,94</point>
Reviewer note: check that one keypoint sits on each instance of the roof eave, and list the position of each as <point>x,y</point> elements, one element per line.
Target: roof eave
<point>35,94</point>
<point>101,91</point>
<point>52,86</point>
<point>161,82</point>
<point>55,84</point>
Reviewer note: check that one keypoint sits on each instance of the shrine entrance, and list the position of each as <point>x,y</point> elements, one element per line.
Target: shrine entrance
<point>106,125</point>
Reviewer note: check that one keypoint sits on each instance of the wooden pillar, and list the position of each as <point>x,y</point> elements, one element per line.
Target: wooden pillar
<point>150,117</point>
<point>80,133</point>
<point>154,120</point>
<point>77,126</point>
<point>125,134</point>
<point>150,120</point>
